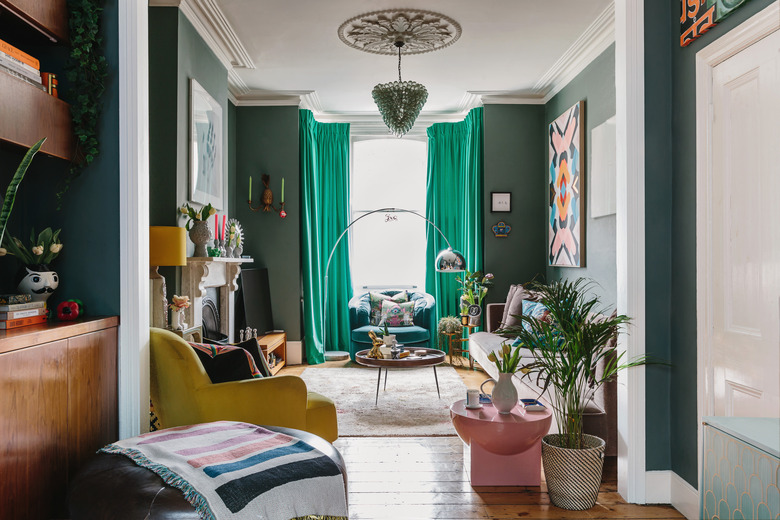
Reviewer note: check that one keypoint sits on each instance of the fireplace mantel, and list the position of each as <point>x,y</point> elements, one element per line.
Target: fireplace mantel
<point>201,273</point>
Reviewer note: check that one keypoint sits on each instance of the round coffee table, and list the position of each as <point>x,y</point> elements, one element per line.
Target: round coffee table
<point>431,358</point>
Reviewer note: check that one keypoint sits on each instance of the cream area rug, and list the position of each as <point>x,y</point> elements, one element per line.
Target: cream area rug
<point>409,407</point>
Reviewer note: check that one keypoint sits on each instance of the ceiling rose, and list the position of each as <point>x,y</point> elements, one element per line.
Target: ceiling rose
<point>420,31</point>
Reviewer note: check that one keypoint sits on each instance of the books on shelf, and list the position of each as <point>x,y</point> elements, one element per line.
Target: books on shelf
<point>13,52</point>
<point>11,299</point>
<point>26,313</point>
<point>21,68</point>
<point>21,306</point>
<point>22,322</point>
<point>50,82</point>
<point>22,77</point>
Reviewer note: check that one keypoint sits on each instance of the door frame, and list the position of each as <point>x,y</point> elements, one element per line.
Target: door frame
<point>735,41</point>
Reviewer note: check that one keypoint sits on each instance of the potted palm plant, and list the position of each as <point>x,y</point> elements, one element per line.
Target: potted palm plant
<point>567,347</point>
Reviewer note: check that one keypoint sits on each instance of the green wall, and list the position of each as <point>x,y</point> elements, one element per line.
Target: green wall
<point>88,266</point>
<point>267,143</point>
<point>514,162</point>
<point>177,54</point>
<point>596,86</point>
<point>682,311</point>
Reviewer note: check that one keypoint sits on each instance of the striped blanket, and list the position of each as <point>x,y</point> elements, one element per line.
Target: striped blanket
<point>234,470</point>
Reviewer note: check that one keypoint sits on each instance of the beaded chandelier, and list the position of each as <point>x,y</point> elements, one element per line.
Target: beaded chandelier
<point>386,32</point>
<point>399,102</point>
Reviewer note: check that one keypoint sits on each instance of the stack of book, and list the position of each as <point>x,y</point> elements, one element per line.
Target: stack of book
<point>20,65</point>
<point>18,310</point>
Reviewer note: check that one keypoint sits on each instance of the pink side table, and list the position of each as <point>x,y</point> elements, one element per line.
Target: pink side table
<point>505,450</point>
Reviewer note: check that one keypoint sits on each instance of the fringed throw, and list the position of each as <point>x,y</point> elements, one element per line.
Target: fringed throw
<point>233,470</point>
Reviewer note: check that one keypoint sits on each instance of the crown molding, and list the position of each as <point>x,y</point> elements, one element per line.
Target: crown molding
<point>210,23</point>
<point>283,98</point>
<point>498,97</point>
<point>595,40</point>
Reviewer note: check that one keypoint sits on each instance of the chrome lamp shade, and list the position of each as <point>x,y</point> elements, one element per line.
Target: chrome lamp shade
<point>450,261</point>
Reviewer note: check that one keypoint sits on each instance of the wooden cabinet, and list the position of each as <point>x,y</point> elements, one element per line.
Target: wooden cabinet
<point>276,344</point>
<point>26,113</point>
<point>58,405</point>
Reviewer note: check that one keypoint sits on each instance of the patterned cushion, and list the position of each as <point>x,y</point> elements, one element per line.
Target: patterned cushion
<point>376,300</point>
<point>397,314</point>
<point>225,362</point>
<point>534,310</point>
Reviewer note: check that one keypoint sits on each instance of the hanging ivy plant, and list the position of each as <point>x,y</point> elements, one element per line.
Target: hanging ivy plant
<point>86,72</point>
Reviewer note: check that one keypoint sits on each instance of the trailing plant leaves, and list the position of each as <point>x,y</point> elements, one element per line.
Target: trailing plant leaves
<point>10,193</point>
<point>86,70</point>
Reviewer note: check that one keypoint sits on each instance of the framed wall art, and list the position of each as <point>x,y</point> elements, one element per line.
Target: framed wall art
<point>206,174</point>
<point>500,202</point>
<point>565,227</point>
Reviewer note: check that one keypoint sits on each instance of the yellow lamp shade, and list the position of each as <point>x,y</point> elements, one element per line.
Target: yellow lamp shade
<point>167,245</point>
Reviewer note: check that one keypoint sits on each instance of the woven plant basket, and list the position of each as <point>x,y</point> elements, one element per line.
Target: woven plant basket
<point>573,476</point>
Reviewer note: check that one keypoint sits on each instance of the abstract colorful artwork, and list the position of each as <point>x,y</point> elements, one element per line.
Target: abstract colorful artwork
<point>699,16</point>
<point>565,225</point>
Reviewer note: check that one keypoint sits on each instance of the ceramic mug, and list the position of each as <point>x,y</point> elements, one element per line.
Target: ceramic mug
<point>472,398</point>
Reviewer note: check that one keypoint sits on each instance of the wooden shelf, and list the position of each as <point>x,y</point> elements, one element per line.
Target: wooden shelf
<point>49,17</point>
<point>27,114</point>
<point>275,343</point>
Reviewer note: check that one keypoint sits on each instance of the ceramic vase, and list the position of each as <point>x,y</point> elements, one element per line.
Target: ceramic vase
<point>200,234</point>
<point>178,320</point>
<point>238,251</point>
<point>39,280</point>
<point>504,394</point>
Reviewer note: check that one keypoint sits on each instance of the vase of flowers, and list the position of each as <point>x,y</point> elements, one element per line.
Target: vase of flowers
<point>473,288</point>
<point>36,277</point>
<point>504,395</point>
<point>177,307</point>
<point>198,228</point>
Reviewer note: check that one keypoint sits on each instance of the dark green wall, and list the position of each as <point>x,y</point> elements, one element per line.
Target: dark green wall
<point>514,162</point>
<point>684,415</point>
<point>267,143</point>
<point>88,266</point>
<point>596,86</point>
<point>177,54</point>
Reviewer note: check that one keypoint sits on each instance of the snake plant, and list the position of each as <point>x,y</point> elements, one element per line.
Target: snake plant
<point>10,193</point>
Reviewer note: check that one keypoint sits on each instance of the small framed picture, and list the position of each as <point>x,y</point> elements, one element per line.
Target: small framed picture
<point>500,202</point>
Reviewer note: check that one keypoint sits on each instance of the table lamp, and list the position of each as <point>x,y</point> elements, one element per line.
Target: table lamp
<point>167,247</point>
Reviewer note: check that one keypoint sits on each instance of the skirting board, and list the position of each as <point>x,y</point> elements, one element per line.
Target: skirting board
<point>294,352</point>
<point>667,487</point>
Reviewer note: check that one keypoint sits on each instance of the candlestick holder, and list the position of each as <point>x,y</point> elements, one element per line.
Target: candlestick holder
<point>267,198</point>
<point>222,251</point>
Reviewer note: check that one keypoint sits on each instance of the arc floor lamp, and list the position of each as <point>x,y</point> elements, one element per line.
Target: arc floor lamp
<point>447,261</point>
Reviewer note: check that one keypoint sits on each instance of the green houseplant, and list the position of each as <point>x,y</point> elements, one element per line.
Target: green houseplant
<point>473,287</point>
<point>568,347</point>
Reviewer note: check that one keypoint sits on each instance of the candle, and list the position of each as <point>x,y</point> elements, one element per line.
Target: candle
<point>224,220</point>
<point>250,188</point>
<point>216,226</point>
<point>282,190</point>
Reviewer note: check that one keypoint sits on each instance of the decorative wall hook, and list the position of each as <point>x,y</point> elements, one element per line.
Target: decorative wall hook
<point>267,197</point>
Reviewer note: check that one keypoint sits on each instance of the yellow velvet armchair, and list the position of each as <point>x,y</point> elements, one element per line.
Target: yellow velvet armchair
<point>182,394</point>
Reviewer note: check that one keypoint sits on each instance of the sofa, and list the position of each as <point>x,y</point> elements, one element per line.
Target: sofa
<point>416,335</point>
<point>600,417</point>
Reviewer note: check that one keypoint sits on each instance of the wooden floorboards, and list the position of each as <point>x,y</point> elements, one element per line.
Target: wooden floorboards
<point>415,478</point>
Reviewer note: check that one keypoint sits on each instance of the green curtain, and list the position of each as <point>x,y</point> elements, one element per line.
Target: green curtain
<point>454,203</point>
<point>324,163</point>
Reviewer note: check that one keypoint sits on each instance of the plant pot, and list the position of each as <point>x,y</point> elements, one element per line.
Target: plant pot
<point>504,395</point>
<point>200,234</point>
<point>389,340</point>
<point>39,280</point>
<point>573,476</point>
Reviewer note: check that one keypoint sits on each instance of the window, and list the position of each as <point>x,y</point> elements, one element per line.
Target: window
<point>388,249</point>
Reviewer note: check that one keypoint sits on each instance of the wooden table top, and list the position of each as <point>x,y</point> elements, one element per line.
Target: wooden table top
<point>433,357</point>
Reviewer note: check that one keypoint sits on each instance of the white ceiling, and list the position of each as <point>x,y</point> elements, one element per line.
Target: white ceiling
<point>511,47</point>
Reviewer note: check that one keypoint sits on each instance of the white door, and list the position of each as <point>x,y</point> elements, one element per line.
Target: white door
<point>743,377</point>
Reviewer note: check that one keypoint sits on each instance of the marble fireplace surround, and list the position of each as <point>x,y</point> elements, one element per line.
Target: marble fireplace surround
<point>201,273</point>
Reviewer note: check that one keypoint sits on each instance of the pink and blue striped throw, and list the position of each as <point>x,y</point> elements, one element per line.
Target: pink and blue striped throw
<point>233,470</point>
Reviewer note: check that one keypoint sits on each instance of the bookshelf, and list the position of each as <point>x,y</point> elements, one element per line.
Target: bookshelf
<point>26,113</point>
